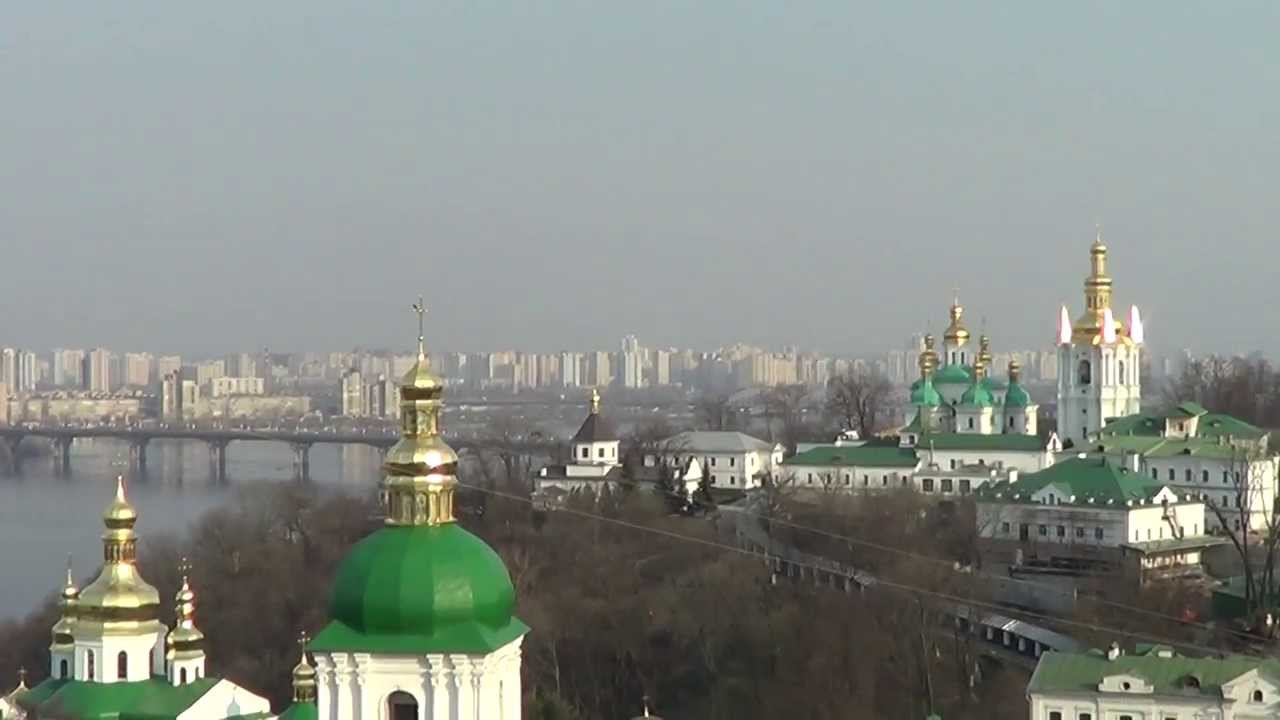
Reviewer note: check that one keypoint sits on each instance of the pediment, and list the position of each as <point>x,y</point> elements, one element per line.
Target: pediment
<point>1132,683</point>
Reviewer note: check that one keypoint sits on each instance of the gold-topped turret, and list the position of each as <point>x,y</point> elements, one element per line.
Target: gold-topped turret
<point>1090,326</point>
<point>1015,370</point>
<point>68,599</point>
<point>595,401</point>
<point>185,634</point>
<point>928,361</point>
<point>956,333</point>
<point>118,594</point>
<point>420,469</point>
<point>304,675</point>
<point>984,351</point>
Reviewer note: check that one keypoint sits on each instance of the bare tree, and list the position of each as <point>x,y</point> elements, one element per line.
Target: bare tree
<point>860,399</point>
<point>1251,473</point>
<point>714,411</point>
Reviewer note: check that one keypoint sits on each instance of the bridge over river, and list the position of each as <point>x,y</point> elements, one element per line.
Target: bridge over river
<point>218,439</point>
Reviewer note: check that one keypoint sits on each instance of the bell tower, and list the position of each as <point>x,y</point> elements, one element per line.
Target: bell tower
<point>1098,358</point>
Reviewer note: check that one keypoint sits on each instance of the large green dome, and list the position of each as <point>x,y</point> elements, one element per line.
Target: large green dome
<point>953,375</point>
<point>925,394</point>
<point>1016,396</point>
<point>977,395</point>
<point>420,589</point>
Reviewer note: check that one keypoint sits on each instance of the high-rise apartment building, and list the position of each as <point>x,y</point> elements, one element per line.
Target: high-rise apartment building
<point>68,368</point>
<point>571,369</point>
<point>210,369</point>
<point>351,394</point>
<point>138,368</point>
<point>97,373</point>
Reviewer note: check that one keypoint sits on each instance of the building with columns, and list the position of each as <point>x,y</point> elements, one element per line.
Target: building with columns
<point>1099,359</point>
<point>421,624</point>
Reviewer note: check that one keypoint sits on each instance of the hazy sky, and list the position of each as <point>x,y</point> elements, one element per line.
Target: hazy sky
<point>292,173</point>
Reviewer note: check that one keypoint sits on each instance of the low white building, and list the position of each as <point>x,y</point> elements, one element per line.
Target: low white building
<point>731,460</point>
<point>1085,511</point>
<point>1214,456</point>
<point>1153,684</point>
<point>595,461</point>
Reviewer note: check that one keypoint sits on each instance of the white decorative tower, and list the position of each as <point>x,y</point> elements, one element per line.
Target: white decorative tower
<point>955,340</point>
<point>1098,359</point>
<point>62,651</point>
<point>116,633</point>
<point>1019,410</point>
<point>421,612</point>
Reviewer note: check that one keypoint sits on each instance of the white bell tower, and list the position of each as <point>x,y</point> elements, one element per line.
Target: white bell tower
<point>1098,359</point>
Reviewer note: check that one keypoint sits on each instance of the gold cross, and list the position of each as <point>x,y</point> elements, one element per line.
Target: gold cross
<point>420,308</point>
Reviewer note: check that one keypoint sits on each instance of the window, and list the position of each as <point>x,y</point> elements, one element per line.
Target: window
<point>1257,696</point>
<point>1120,367</point>
<point>122,666</point>
<point>926,484</point>
<point>713,462</point>
<point>1204,476</point>
<point>401,706</point>
<point>1084,716</point>
<point>946,485</point>
<point>586,453</point>
<point>810,480</point>
<point>1080,532</point>
<point>953,463</point>
<point>1155,474</point>
<point>1226,501</point>
<point>1125,717</point>
<point>1224,477</point>
<point>600,452</point>
<point>970,423</point>
<point>1044,531</point>
<point>1062,531</point>
<point>964,487</point>
<point>731,462</point>
<point>848,479</point>
<point>733,480</point>
<point>89,664</point>
<point>866,480</point>
<point>182,676</point>
<point>1055,715</point>
<point>884,480</point>
<point>1004,529</point>
<point>1188,475</point>
<point>1172,474</point>
<point>1085,372</point>
<point>62,669</point>
<point>1097,533</point>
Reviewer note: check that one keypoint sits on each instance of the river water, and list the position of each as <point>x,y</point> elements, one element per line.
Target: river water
<point>44,517</point>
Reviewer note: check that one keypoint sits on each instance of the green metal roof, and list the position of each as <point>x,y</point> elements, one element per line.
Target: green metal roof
<point>1016,396</point>
<point>421,589</point>
<point>977,396</point>
<point>301,711</point>
<point>1091,481</point>
<point>860,455</point>
<point>154,699</point>
<point>1082,672</point>
<point>1209,425</point>
<point>926,394</point>
<point>953,375</point>
<point>994,383</point>
<point>973,441</point>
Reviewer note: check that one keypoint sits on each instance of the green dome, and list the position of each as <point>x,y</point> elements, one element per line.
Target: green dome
<point>953,375</point>
<point>977,395</point>
<point>1015,396</point>
<point>925,394</point>
<point>993,384</point>
<point>419,589</point>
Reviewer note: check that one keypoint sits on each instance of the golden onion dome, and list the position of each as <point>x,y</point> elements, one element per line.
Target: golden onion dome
<point>119,512</point>
<point>420,376</point>
<point>423,452</point>
<point>956,333</point>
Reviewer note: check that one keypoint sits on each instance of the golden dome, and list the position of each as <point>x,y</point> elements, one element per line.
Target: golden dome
<point>928,361</point>
<point>956,333</point>
<point>120,513</point>
<point>185,633</point>
<point>304,676</point>
<point>422,453</point>
<point>119,592</point>
<point>420,376</point>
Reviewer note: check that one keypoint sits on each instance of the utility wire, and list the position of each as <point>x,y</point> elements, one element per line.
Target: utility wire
<point>905,587</point>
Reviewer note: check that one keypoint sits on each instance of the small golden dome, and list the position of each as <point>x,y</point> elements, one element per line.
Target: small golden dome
<point>427,451</point>
<point>420,376</point>
<point>120,513</point>
<point>956,333</point>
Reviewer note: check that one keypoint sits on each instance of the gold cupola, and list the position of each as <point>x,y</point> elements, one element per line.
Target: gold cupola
<point>118,594</point>
<point>185,636</point>
<point>928,361</point>
<point>1091,325</point>
<point>68,599</point>
<point>420,469</point>
<point>984,351</point>
<point>304,676</point>
<point>956,333</point>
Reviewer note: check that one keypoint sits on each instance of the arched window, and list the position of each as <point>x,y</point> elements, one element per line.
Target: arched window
<point>402,706</point>
<point>1120,367</point>
<point>62,669</point>
<point>1257,696</point>
<point>1085,372</point>
<point>122,666</point>
<point>89,664</point>
<point>182,676</point>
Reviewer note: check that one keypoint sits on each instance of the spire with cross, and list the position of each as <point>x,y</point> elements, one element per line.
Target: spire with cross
<point>421,308</point>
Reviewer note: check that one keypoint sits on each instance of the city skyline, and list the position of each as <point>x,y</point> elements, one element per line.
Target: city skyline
<point>695,175</point>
